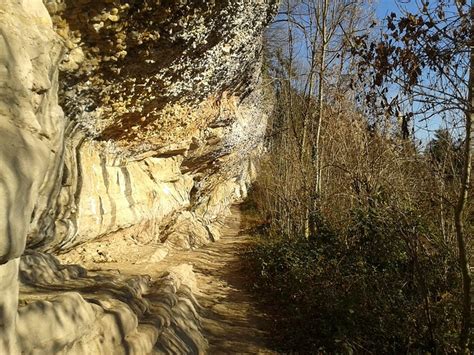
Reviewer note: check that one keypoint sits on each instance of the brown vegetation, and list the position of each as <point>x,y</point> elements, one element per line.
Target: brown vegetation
<point>366,245</point>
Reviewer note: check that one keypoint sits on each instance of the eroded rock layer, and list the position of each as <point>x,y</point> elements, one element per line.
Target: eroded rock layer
<point>120,120</point>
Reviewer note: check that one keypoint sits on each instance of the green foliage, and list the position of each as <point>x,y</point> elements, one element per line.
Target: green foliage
<point>379,287</point>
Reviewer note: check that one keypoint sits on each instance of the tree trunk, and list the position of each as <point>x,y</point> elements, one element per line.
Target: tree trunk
<point>322,64</point>
<point>461,205</point>
<point>314,193</point>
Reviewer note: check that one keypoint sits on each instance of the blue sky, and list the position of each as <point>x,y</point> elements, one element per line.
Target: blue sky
<point>423,130</point>
<point>385,7</point>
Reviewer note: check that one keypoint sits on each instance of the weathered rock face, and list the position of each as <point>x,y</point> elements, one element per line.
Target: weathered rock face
<point>163,112</point>
<point>163,106</point>
<point>99,191</point>
<point>31,122</point>
<point>31,130</point>
<point>134,67</point>
<point>109,321</point>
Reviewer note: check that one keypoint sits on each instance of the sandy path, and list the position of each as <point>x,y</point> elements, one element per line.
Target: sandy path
<point>231,321</point>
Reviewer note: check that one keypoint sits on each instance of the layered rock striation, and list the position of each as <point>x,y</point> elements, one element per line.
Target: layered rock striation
<point>119,119</point>
<point>163,105</point>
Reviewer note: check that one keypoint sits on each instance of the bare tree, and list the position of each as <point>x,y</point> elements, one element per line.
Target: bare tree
<point>428,56</point>
<point>315,61</point>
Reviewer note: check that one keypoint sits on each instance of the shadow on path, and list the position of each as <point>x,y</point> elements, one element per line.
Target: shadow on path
<point>231,320</point>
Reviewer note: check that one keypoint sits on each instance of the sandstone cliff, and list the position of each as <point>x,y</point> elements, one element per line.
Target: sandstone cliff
<point>120,120</point>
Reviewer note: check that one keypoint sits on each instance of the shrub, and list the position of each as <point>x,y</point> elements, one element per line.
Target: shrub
<point>379,287</point>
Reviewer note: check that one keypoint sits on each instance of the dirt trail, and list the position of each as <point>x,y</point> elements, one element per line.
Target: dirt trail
<point>198,301</point>
<point>191,302</point>
<point>231,321</point>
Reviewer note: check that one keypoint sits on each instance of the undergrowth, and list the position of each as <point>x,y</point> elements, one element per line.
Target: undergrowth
<point>377,288</point>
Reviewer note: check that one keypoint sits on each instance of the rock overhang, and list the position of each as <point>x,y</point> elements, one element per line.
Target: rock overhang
<point>130,63</point>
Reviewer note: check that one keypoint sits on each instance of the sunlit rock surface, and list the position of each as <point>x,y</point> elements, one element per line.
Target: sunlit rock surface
<point>31,144</point>
<point>120,121</point>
